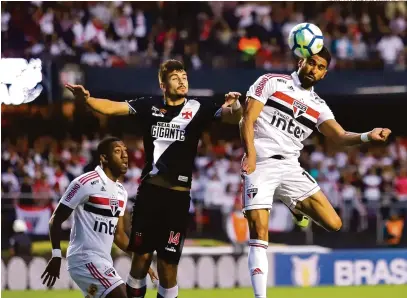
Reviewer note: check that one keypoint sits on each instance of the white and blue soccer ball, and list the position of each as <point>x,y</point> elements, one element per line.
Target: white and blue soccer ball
<point>305,40</point>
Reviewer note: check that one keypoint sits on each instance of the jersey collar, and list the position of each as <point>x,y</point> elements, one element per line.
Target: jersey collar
<point>297,81</point>
<point>102,174</point>
<point>185,102</point>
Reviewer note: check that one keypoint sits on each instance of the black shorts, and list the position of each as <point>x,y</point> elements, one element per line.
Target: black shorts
<point>160,220</point>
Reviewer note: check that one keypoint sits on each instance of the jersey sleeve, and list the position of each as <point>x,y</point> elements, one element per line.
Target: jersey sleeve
<point>324,115</point>
<point>262,89</point>
<point>137,105</point>
<point>74,195</point>
<point>125,204</point>
<point>213,107</point>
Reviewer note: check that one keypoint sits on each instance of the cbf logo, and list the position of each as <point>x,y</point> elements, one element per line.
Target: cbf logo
<point>305,272</point>
<point>114,205</point>
<point>299,108</point>
<point>251,191</point>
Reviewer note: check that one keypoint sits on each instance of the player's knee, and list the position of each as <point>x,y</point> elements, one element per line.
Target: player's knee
<point>167,273</point>
<point>140,265</point>
<point>336,224</point>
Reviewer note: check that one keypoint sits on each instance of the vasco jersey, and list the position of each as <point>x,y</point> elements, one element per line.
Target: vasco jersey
<point>289,116</point>
<point>97,202</point>
<point>171,134</point>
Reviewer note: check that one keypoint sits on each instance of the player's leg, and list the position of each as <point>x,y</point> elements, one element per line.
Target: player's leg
<point>98,278</point>
<point>300,191</point>
<point>258,198</point>
<point>320,210</point>
<point>172,234</point>
<point>118,292</point>
<point>142,240</point>
<point>136,286</point>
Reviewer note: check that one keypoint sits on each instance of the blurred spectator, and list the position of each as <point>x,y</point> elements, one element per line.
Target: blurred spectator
<point>20,242</point>
<point>401,185</point>
<point>236,227</point>
<point>390,46</point>
<point>219,35</point>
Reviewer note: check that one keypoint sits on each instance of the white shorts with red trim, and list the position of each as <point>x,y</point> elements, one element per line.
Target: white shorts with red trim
<point>96,279</point>
<point>284,180</point>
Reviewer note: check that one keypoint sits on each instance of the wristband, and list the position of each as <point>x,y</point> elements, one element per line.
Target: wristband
<point>236,105</point>
<point>364,137</point>
<point>56,253</point>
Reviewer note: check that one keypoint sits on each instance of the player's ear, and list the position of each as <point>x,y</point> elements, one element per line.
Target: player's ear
<point>103,159</point>
<point>301,62</point>
<point>162,86</point>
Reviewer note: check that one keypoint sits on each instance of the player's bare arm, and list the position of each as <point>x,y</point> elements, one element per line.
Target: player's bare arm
<point>334,131</point>
<point>250,115</point>
<point>103,106</point>
<point>232,110</point>
<point>122,241</point>
<point>51,272</point>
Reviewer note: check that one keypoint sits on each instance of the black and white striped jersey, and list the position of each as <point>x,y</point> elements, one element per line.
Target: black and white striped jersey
<point>171,134</point>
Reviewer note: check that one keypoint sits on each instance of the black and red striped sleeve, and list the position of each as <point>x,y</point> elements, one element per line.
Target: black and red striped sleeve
<point>263,88</point>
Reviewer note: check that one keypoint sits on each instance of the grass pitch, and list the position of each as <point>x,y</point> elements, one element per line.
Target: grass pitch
<point>318,292</point>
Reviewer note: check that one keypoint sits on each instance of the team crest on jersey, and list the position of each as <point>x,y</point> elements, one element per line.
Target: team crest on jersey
<point>114,205</point>
<point>110,272</point>
<point>187,114</point>
<point>299,108</point>
<point>252,192</point>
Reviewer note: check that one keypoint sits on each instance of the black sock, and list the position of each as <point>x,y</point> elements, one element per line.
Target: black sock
<point>135,293</point>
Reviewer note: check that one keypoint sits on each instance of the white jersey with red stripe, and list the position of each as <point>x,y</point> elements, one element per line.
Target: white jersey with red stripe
<point>289,116</point>
<point>97,202</point>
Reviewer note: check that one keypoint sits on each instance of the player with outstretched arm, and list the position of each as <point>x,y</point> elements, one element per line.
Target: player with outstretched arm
<point>172,125</point>
<point>98,201</point>
<point>281,112</point>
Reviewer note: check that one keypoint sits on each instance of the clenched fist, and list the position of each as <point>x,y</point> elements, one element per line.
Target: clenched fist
<point>379,134</point>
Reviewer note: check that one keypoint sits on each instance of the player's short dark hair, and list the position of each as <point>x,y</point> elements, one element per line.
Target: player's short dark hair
<point>168,67</point>
<point>104,145</point>
<point>324,53</point>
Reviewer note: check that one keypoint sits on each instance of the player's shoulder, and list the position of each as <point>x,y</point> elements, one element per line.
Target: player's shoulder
<point>207,101</point>
<point>145,100</point>
<point>277,77</point>
<point>122,190</point>
<point>87,179</point>
<point>317,99</point>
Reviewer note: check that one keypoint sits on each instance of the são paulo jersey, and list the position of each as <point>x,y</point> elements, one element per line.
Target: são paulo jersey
<point>289,115</point>
<point>97,202</point>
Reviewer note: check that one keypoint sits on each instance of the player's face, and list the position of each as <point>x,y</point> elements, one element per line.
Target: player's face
<point>312,70</point>
<point>177,84</point>
<point>118,160</point>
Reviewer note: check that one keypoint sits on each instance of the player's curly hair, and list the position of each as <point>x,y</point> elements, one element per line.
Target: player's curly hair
<point>324,53</point>
<point>104,145</point>
<point>168,67</point>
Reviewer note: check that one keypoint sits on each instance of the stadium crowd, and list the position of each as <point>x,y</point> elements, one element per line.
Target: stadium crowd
<point>358,178</point>
<point>203,34</point>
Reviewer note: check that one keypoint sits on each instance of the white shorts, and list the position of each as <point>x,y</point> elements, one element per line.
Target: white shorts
<point>96,279</point>
<point>283,179</point>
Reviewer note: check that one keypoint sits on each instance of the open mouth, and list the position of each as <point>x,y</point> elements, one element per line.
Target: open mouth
<point>310,77</point>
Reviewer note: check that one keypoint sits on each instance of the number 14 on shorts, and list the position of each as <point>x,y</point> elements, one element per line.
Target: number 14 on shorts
<point>174,238</point>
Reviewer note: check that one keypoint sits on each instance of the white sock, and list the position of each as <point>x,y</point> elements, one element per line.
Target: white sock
<point>136,288</point>
<point>258,267</point>
<point>168,293</point>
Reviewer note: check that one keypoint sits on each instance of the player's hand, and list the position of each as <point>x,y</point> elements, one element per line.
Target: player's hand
<point>51,272</point>
<point>379,134</point>
<point>249,164</point>
<point>230,98</point>
<point>152,274</point>
<point>78,91</point>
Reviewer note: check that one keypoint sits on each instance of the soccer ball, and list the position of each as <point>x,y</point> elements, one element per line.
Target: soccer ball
<point>305,40</point>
